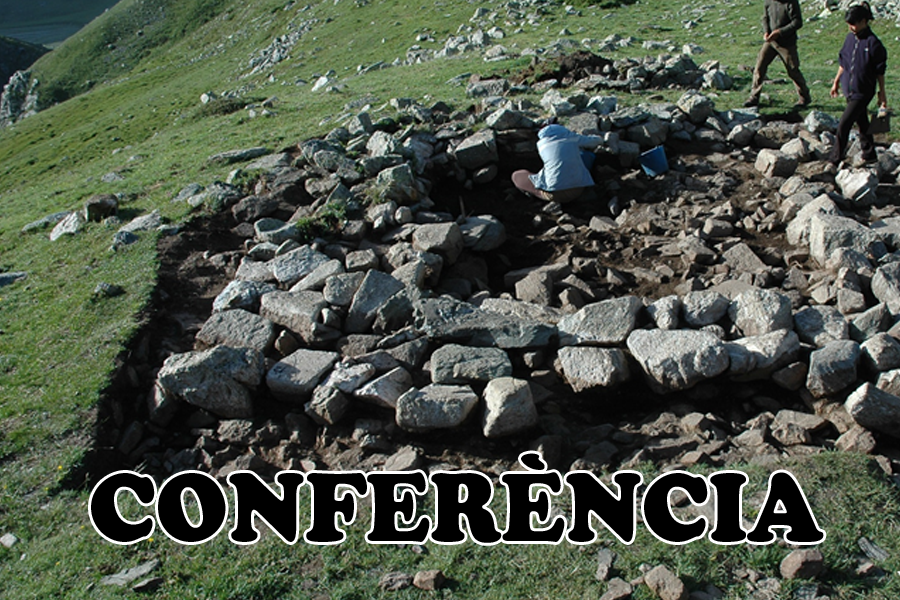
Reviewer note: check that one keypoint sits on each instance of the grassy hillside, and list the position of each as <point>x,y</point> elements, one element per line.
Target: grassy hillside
<point>142,68</point>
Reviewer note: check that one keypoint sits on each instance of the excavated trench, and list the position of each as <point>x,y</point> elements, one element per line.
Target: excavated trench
<point>198,262</point>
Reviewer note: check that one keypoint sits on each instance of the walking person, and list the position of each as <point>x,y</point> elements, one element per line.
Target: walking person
<point>781,21</point>
<point>862,60</point>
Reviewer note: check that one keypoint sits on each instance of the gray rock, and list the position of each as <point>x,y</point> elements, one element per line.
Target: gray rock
<point>340,289</point>
<point>70,225</point>
<point>665,311</point>
<point>871,322</point>
<point>504,119</point>
<point>387,389</point>
<point>398,183</point>
<point>743,260</point>
<point>696,106</point>
<point>758,311</point>
<point>477,150</point>
<point>819,325</point>
<point>704,308</point>
<point>445,239</point>
<point>483,233</point>
<point>886,286</point>
<point>275,231</point>
<point>290,268</point>
<point>435,407</point>
<point>803,564</point>
<point>881,352</point>
<point>856,439</point>
<point>603,323</point>
<point>218,380</point>
<point>99,207</point>
<point>875,409</point>
<point>889,381</point>
<point>11,278</point>
<point>827,233</point>
<point>678,360</point>
<point>775,163</point>
<point>665,584</point>
<point>509,408</point>
<point>300,312</point>
<point>328,405</point>
<point>294,378</point>
<point>587,368</point>
<point>618,589</point>
<point>373,293</point>
<point>348,377</point>
<point>239,329</point>
<point>832,368</point>
<point>127,576</point>
<point>536,288</point>
<point>319,277</point>
<point>757,357</point>
<point>858,185</point>
<point>798,228</point>
<point>447,320</point>
<point>45,222</point>
<point>241,294</point>
<point>463,364</point>
<point>149,222</point>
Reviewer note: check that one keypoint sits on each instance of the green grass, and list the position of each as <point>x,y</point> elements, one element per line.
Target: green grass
<point>145,121</point>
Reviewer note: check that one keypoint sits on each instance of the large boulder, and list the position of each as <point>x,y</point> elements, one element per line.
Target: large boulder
<point>827,233</point>
<point>238,329</point>
<point>677,360</point>
<point>477,150</point>
<point>219,380</point>
<point>886,286</point>
<point>447,320</point>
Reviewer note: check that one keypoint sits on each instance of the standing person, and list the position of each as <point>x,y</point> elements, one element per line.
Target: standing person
<point>781,21</point>
<point>565,175</point>
<point>862,60</point>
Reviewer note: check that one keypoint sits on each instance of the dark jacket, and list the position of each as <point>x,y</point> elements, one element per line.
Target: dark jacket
<point>784,15</point>
<point>863,58</point>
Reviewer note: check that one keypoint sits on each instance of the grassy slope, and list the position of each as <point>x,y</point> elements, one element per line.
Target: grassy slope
<point>59,343</point>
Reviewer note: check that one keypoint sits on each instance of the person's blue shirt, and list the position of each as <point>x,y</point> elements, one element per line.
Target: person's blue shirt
<point>560,151</point>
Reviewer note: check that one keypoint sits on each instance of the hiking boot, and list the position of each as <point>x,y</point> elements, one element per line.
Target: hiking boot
<point>803,102</point>
<point>751,102</point>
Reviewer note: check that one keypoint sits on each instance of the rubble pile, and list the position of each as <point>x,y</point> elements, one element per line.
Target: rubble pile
<point>744,300</point>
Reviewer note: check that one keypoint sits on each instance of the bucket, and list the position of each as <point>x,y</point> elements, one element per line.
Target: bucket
<point>654,161</point>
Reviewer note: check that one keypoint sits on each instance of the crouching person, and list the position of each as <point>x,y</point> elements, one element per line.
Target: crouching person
<point>566,172</point>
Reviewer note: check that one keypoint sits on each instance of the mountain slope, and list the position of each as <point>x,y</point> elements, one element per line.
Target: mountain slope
<point>16,55</point>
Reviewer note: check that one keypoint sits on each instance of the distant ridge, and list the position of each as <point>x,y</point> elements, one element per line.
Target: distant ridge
<point>16,55</point>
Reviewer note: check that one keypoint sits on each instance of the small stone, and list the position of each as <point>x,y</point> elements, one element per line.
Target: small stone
<point>605,560</point>
<point>803,564</point>
<point>8,540</point>
<point>395,581</point>
<point>429,580</point>
<point>665,584</point>
<point>618,589</point>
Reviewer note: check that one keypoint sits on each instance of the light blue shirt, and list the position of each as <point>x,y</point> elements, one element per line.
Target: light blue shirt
<point>560,150</point>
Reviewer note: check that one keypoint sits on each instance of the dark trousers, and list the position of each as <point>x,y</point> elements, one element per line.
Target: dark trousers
<point>857,111</point>
<point>791,60</point>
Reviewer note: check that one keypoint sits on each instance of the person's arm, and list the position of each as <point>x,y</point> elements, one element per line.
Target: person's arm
<point>589,141</point>
<point>765,23</point>
<point>882,94</point>
<point>836,85</point>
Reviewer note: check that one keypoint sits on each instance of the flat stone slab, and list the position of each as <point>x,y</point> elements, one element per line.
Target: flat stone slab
<point>294,378</point>
<point>448,320</point>
<point>239,329</point>
<point>466,364</point>
<point>435,407</point>
<point>603,323</point>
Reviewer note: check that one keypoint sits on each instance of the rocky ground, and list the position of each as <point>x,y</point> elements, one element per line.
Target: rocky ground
<point>383,298</point>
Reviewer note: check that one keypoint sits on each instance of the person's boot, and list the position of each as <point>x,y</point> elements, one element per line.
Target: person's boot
<point>751,102</point>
